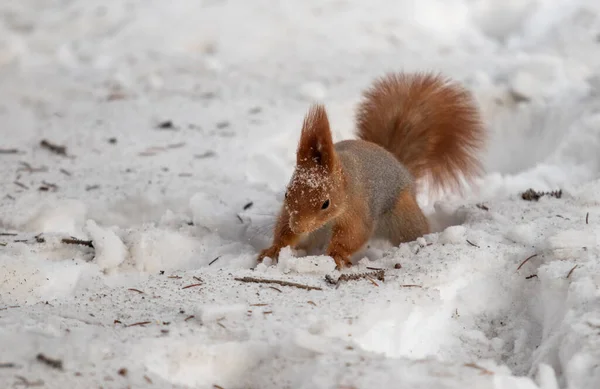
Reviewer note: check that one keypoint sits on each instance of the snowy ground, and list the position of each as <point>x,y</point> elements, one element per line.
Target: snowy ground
<point>164,207</point>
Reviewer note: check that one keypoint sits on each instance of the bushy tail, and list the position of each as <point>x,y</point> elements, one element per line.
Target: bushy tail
<point>431,124</point>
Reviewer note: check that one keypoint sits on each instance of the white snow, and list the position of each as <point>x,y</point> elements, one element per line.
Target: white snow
<point>109,250</point>
<point>453,234</point>
<point>181,120</point>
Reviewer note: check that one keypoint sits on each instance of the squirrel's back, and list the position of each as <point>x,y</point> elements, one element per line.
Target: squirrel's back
<point>376,174</point>
<point>429,123</point>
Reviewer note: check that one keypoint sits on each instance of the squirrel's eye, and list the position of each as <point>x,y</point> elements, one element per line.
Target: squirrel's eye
<point>286,194</point>
<point>325,204</point>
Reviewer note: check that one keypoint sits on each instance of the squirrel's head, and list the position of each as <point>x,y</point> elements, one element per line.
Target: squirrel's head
<point>315,194</point>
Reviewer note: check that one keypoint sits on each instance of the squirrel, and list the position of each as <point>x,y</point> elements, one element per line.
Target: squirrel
<point>410,127</point>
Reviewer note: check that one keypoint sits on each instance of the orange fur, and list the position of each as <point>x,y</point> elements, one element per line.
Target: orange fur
<point>410,127</point>
<point>431,124</point>
<point>316,144</point>
<point>317,178</point>
<point>406,222</point>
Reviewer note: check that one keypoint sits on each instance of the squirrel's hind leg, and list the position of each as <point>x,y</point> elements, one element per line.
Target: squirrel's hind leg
<point>405,222</point>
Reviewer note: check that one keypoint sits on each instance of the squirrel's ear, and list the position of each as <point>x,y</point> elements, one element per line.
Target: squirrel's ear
<point>316,143</point>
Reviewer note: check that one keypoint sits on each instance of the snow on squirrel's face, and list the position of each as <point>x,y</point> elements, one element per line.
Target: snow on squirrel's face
<point>315,193</point>
<point>312,198</point>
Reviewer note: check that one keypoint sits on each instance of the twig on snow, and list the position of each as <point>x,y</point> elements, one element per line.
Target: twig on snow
<point>471,243</point>
<point>278,282</point>
<point>482,206</point>
<point>571,271</point>
<point>482,369</point>
<point>72,240</point>
<point>30,169</point>
<point>40,239</point>
<point>141,323</point>
<point>166,125</point>
<point>48,187</point>
<point>53,363</point>
<point>191,286</point>
<point>206,154</point>
<point>54,148</point>
<point>378,274</point>
<point>526,260</point>
<point>532,195</point>
<point>9,151</point>
<point>20,184</point>
<point>10,306</point>
<point>25,382</point>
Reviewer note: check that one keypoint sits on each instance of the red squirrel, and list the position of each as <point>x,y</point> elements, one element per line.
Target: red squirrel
<point>410,126</point>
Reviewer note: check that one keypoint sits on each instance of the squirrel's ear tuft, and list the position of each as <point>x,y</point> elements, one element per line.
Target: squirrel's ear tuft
<point>316,143</point>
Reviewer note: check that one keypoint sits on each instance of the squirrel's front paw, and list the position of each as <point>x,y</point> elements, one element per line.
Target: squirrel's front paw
<point>341,261</point>
<point>271,252</point>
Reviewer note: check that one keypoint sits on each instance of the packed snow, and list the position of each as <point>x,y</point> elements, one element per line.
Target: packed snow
<point>125,258</point>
